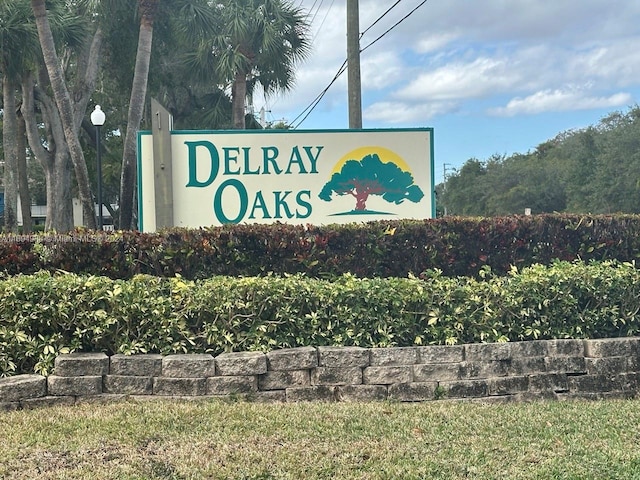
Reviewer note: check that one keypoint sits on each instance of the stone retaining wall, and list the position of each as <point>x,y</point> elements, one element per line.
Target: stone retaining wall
<point>545,369</point>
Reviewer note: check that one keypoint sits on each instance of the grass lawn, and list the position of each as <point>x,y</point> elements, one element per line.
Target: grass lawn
<point>209,439</point>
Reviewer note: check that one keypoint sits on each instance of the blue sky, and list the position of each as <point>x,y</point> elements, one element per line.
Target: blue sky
<point>490,76</point>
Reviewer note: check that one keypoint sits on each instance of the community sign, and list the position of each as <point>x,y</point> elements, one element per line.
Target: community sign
<point>297,177</point>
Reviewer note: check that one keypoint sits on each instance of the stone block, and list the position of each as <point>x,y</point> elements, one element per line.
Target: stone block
<point>230,385</point>
<point>343,357</point>
<point>630,382</point>
<point>534,348</point>
<point>271,396</point>
<point>598,396</point>
<point>486,352</point>
<point>436,372</point>
<point>128,385</point>
<point>548,383</point>
<point>46,402</point>
<point>102,399</point>
<point>279,380</point>
<point>441,354</point>
<point>611,347</point>
<point>573,365</point>
<point>508,385</point>
<point>241,363</point>
<point>145,365</point>
<point>527,365</point>
<point>195,365</point>
<point>382,357</point>
<point>607,365</point>
<point>179,386</point>
<point>287,359</point>
<point>595,383</point>
<point>314,393</point>
<point>361,393</point>
<point>413,392</point>
<point>9,406</point>
<point>21,387</point>
<point>387,375</point>
<point>465,388</point>
<point>336,376</point>
<point>565,348</point>
<point>484,369</point>
<point>76,386</point>
<point>81,364</point>
<point>535,396</point>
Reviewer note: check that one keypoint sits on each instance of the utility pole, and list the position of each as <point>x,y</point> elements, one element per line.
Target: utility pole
<point>353,65</point>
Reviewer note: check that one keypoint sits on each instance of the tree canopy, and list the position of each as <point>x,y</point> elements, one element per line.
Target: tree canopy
<point>591,170</point>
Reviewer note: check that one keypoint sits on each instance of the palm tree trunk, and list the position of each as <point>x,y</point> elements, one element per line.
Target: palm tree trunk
<point>136,109</point>
<point>10,142</point>
<point>63,101</point>
<point>23,178</point>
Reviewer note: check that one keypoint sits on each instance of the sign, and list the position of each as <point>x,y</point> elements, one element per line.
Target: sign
<point>298,177</point>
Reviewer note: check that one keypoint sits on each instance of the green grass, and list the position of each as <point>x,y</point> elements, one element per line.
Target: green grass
<point>208,439</point>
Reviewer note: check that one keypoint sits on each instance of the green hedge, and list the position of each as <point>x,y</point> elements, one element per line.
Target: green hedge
<point>44,314</point>
<point>456,246</point>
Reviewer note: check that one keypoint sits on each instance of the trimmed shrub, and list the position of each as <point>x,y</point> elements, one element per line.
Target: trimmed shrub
<point>44,314</point>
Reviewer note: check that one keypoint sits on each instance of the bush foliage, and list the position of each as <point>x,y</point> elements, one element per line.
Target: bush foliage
<point>44,314</point>
<point>457,246</point>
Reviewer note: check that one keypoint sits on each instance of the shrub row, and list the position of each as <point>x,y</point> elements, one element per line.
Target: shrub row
<point>456,246</point>
<point>44,314</point>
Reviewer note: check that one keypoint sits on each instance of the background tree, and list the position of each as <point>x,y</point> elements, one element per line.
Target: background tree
<point>65,108</point>
<point>256,42</point>
<point>591,170</point>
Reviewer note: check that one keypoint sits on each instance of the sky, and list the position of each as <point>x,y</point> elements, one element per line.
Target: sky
<point>491,77</point>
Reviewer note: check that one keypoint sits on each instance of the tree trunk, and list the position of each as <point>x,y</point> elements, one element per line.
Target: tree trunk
<point>23,178</point>
<point>63,101</point>
<point>54,159</point>
<point>136,109</point>
<point>238,97</point>
<point>10,143</point>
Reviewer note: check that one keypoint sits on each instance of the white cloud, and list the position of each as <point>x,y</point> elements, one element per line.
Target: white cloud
<point>460,80</point>
<point>405,113</point>
<point>560,100</point>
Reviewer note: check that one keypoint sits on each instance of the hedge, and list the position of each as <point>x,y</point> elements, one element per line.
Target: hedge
<point>398,248</point>
<point>44,314</point>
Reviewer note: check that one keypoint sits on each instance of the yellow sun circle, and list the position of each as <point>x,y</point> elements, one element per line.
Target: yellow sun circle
<point>386,156</point>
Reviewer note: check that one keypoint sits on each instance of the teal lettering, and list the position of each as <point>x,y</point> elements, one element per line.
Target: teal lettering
<point>193,164</point>
<point>228,158</point>
<point>312,159</point>
<point>303,203</point>
<point>296,158</point>
<point>269,156</point>
<point>243,197</point>
<point>247,170</point>
<point>259,203</point>
<point>281,202</point>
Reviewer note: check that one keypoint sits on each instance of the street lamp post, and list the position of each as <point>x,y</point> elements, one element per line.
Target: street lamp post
<point>98,118</point>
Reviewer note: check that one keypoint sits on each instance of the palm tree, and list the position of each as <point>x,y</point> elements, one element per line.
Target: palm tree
<point>65,108</point>
<point>257,42</point>
<point>17,32</point>
<point>147,11</point>
<point>192,13</point>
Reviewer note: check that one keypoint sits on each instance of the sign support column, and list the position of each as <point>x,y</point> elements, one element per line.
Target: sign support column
<point>161,126</point>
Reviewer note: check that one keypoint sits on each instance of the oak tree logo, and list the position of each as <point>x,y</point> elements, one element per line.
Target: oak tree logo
<point>372,176</point>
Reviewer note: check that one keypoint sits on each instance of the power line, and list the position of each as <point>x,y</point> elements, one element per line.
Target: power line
<point>395,24</point>
<point>314,103</point>
<point>380,18</point>
<point>319,97</point>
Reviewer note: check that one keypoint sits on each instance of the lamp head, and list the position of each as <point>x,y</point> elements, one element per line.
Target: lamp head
<point>97,116</point>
